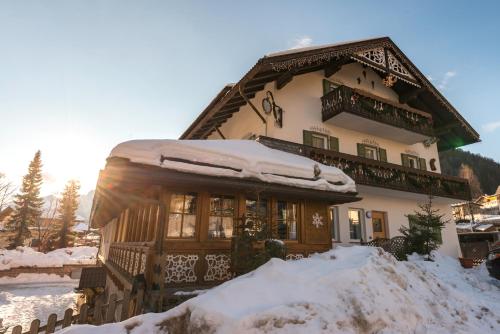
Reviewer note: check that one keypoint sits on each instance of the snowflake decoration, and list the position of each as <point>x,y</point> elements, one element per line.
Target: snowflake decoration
<point>317,220</point>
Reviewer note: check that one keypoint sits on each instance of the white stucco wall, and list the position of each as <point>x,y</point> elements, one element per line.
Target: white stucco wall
<point>301,102</point>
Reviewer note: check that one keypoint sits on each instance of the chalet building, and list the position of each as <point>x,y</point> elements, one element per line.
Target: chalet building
<point>167,209</point>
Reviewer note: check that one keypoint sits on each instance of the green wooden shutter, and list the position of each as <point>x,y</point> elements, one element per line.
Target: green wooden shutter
<point>404,160</point>
<point>361,150</point>
<point>422,164</point>
<point>382,154</point>
<point>334,144</point>
<point>326,86</point>
<point>307,135</point>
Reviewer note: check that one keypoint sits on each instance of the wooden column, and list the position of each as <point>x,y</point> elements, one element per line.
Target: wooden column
<point>202,215</point>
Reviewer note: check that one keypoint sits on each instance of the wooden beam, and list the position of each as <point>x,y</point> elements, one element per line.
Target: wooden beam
<point>334,66</point>
<point>412,94</point>
<point>220,133</point>
<point>284,79</point>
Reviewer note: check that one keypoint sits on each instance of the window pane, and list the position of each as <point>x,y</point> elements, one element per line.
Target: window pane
<point>214,227</point>
<point>188,226</point>
<point>215,205</point>
<point>228,207</point>
<point>318,141</point>
<point>292,230</point>
<point>190,205</point>
<point>174,225</point>
<point>176,203</point>
<point>281,210</point>
<point>227,227</point>
<point>355,224</point>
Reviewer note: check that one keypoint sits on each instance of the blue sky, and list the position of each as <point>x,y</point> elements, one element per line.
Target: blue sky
<point>78,77</point>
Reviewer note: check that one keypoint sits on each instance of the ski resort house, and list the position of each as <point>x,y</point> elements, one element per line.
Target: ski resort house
<point>285,142</point>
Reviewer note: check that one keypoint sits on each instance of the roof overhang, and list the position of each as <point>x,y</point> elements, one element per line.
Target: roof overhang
<point>122,183</point>
<point>451,128</point>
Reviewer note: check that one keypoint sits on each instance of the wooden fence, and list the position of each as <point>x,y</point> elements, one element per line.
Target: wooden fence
<point>99,314</point>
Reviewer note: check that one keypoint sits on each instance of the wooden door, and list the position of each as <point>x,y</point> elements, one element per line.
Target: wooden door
<point>379,225</point>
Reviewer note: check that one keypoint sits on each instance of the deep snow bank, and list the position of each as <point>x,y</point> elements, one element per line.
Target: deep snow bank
<point>347,290</point>
<point>28,257</point>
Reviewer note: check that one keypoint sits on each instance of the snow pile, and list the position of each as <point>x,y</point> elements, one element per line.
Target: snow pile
<point>235,158</point>
<point>28,257</point>
<point>80,228</point>
<point>346,290</point>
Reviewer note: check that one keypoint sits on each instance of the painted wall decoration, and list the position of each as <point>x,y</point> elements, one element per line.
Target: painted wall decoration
<point>317,220</point>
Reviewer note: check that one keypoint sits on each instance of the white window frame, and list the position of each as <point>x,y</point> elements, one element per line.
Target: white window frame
<point>335,227</point>
<point>361,224</point>
<point>320,136</point>
<point>371,149</point>
<point>415,161</point>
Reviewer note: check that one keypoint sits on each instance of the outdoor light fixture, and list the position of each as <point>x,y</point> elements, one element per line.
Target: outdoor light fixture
<point>269,106</point>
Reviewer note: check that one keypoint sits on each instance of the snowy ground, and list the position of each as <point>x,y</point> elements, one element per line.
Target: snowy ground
<point>28,257</point>
<point>347,290</point>
<point>30,296</point>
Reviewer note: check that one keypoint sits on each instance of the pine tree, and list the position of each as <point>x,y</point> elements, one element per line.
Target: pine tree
<point>424,231</point>
<point>28,203</point>
<point>67,212</point>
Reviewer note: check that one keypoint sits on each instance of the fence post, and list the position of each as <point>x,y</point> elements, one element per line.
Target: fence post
<point>110,313</point>
<point>139,300</point>
<point>51,323</point>
<point>68,317</point>
<point>35,324</point>
<point>97,314</point>
<point>17,330</point>
<point>82,318</point>
<point>125,305</point>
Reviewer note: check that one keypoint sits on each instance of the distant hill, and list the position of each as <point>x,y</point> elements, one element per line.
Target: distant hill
<point>486,169</point>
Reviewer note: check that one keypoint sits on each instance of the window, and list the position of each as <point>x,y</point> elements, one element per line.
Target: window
<point>334,218</point>
<point>182,216</point>
<point>355,216</point>
<point>372,152</point>
<point>319,141</point>
<point>287,220</point>
<point>328,86</point>
<point>220,221</point>
<point>256,215</point>
<point>413,161</point>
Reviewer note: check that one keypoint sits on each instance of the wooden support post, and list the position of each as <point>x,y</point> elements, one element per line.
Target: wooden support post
<point>125,305</point>
<point>35,325</point>
<point>283,80</point>
<point>83,316</point>
<point>97,314</point>
<point>68,317</point>
<point>110,313</point>
<point>51,323</point>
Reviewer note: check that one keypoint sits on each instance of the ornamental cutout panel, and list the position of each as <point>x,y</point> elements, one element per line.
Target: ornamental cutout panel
<point>376,56</point>
<point>218,266</point>
<point>143,263</point>
<point>180,268</point>
<point>397,67</point>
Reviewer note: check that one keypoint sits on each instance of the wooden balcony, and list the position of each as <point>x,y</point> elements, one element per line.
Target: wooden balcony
<point>360,111</point>
<point>130,258</point>
<point>379,174</point>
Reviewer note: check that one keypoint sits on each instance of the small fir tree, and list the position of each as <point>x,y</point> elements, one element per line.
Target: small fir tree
<point>424,231</point>
<point>28,203</point>
<point>67,212</point>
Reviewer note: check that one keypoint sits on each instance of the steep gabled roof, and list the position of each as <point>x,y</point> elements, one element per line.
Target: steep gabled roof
<point>379,53</point>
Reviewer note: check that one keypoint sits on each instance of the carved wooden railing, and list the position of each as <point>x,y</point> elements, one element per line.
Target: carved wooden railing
<point>345,99</point>
<point>130,258</point>
<point>379,174</point>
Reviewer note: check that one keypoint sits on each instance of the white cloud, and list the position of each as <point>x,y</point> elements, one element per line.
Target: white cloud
<point>302,42</point>
<point>492,126</point>
<point>443,84</point>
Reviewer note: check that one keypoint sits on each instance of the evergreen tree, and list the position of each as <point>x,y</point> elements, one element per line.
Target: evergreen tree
<point>67,212</point>
<point>28,203</point>
<point>424,231</point>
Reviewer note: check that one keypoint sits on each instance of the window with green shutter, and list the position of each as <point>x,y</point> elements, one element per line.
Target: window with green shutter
<point>307,138</point>
<point>413,161</point>
<point>382,154</point>
<point>328,86</point>
<point>320,140</point>
<point>422,164</point>
<point>334,144</point>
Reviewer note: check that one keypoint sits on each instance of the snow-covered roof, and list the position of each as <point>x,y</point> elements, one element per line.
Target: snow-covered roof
<point>235,158</point>
<point>483,227</point>
<point>80,227</point>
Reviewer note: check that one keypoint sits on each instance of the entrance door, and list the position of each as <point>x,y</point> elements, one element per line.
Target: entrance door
<point>379,225</point>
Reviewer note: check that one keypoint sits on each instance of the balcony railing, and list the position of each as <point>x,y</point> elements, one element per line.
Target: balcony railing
<point>379,174</point>
<point>345,99</point>
<point>130,258</point>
